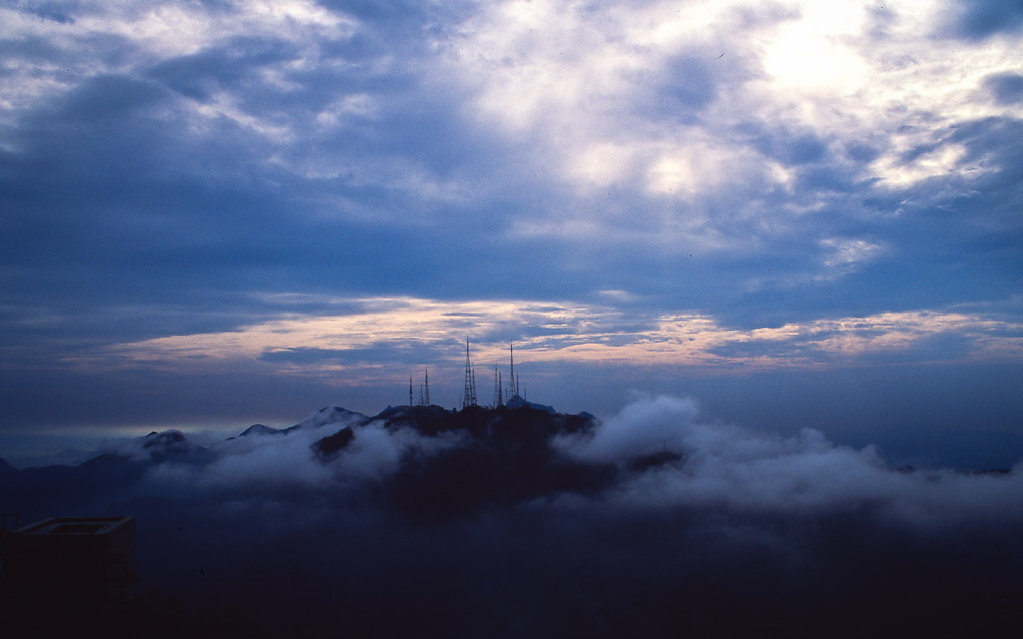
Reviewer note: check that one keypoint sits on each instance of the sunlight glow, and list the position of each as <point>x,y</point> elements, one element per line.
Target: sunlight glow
<point>567,333</point>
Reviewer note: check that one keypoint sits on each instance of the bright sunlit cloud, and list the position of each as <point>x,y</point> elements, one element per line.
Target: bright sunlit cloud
<point>567,333</point>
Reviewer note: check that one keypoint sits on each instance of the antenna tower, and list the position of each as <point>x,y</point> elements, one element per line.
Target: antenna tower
<point>498,390</point>
<point>426,399</point>
<point>469,397</point>
<point>513,381</point>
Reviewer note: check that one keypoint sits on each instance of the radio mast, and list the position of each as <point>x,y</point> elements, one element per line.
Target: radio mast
<point>513,381</point>
<point>426,399</point>
<point>469,397</point>
<point>498,390</point>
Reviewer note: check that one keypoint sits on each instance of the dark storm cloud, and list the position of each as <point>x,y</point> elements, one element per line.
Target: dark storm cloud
<point>686,86</point>
<point>978,19</point>
<point>61,12</point>
<point>789,147</point>
<point>1007,88</point>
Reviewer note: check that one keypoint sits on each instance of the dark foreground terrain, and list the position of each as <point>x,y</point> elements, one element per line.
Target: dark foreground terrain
<point>522,521</point>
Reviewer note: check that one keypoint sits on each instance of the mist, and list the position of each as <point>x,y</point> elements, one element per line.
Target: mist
<point>658,521</point>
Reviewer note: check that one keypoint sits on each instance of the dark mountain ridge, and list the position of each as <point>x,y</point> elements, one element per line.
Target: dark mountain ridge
<point>505,457</point>
<point>522,521</point>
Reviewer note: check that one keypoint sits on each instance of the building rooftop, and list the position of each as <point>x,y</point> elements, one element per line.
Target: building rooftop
<point>77,526</point>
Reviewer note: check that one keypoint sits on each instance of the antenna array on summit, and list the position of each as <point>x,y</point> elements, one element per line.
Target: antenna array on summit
<point>504,390</point>
<point>424,390</point>
<point>513,381</point>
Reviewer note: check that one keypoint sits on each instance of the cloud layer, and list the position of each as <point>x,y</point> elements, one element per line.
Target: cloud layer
<point>640,521</point>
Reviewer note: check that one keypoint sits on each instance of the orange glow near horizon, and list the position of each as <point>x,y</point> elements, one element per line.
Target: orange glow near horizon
<point>562,333</point>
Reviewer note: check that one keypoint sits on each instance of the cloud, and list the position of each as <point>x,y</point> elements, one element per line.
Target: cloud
<point>669,457</point>
<point>728,466</point>
<point>280,470</point>
<point>762,521</point>
<point>643,428</point>
<point>976,20</point>
<point>1007,88</point>
<point>406,332</point>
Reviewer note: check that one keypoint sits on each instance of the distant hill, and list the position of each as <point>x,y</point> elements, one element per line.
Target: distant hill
<point>424,521</point>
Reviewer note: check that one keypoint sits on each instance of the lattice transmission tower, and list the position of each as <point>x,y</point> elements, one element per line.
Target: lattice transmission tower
<point>513,381</point>
<point>469,397</point>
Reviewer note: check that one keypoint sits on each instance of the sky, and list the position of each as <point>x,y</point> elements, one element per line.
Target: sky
<point>794,214</point>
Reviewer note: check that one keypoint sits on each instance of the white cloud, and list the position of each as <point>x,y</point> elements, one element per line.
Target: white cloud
<point>572,80</point>
<point>124,37</point>
<point>353,106</point>
<point>847,255</point>
<point>565,75</point>
<point>724,465</point>
<point>814,54</point>
<point>260,464</point>
<point>644,427</point>
<point>571,332</point>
